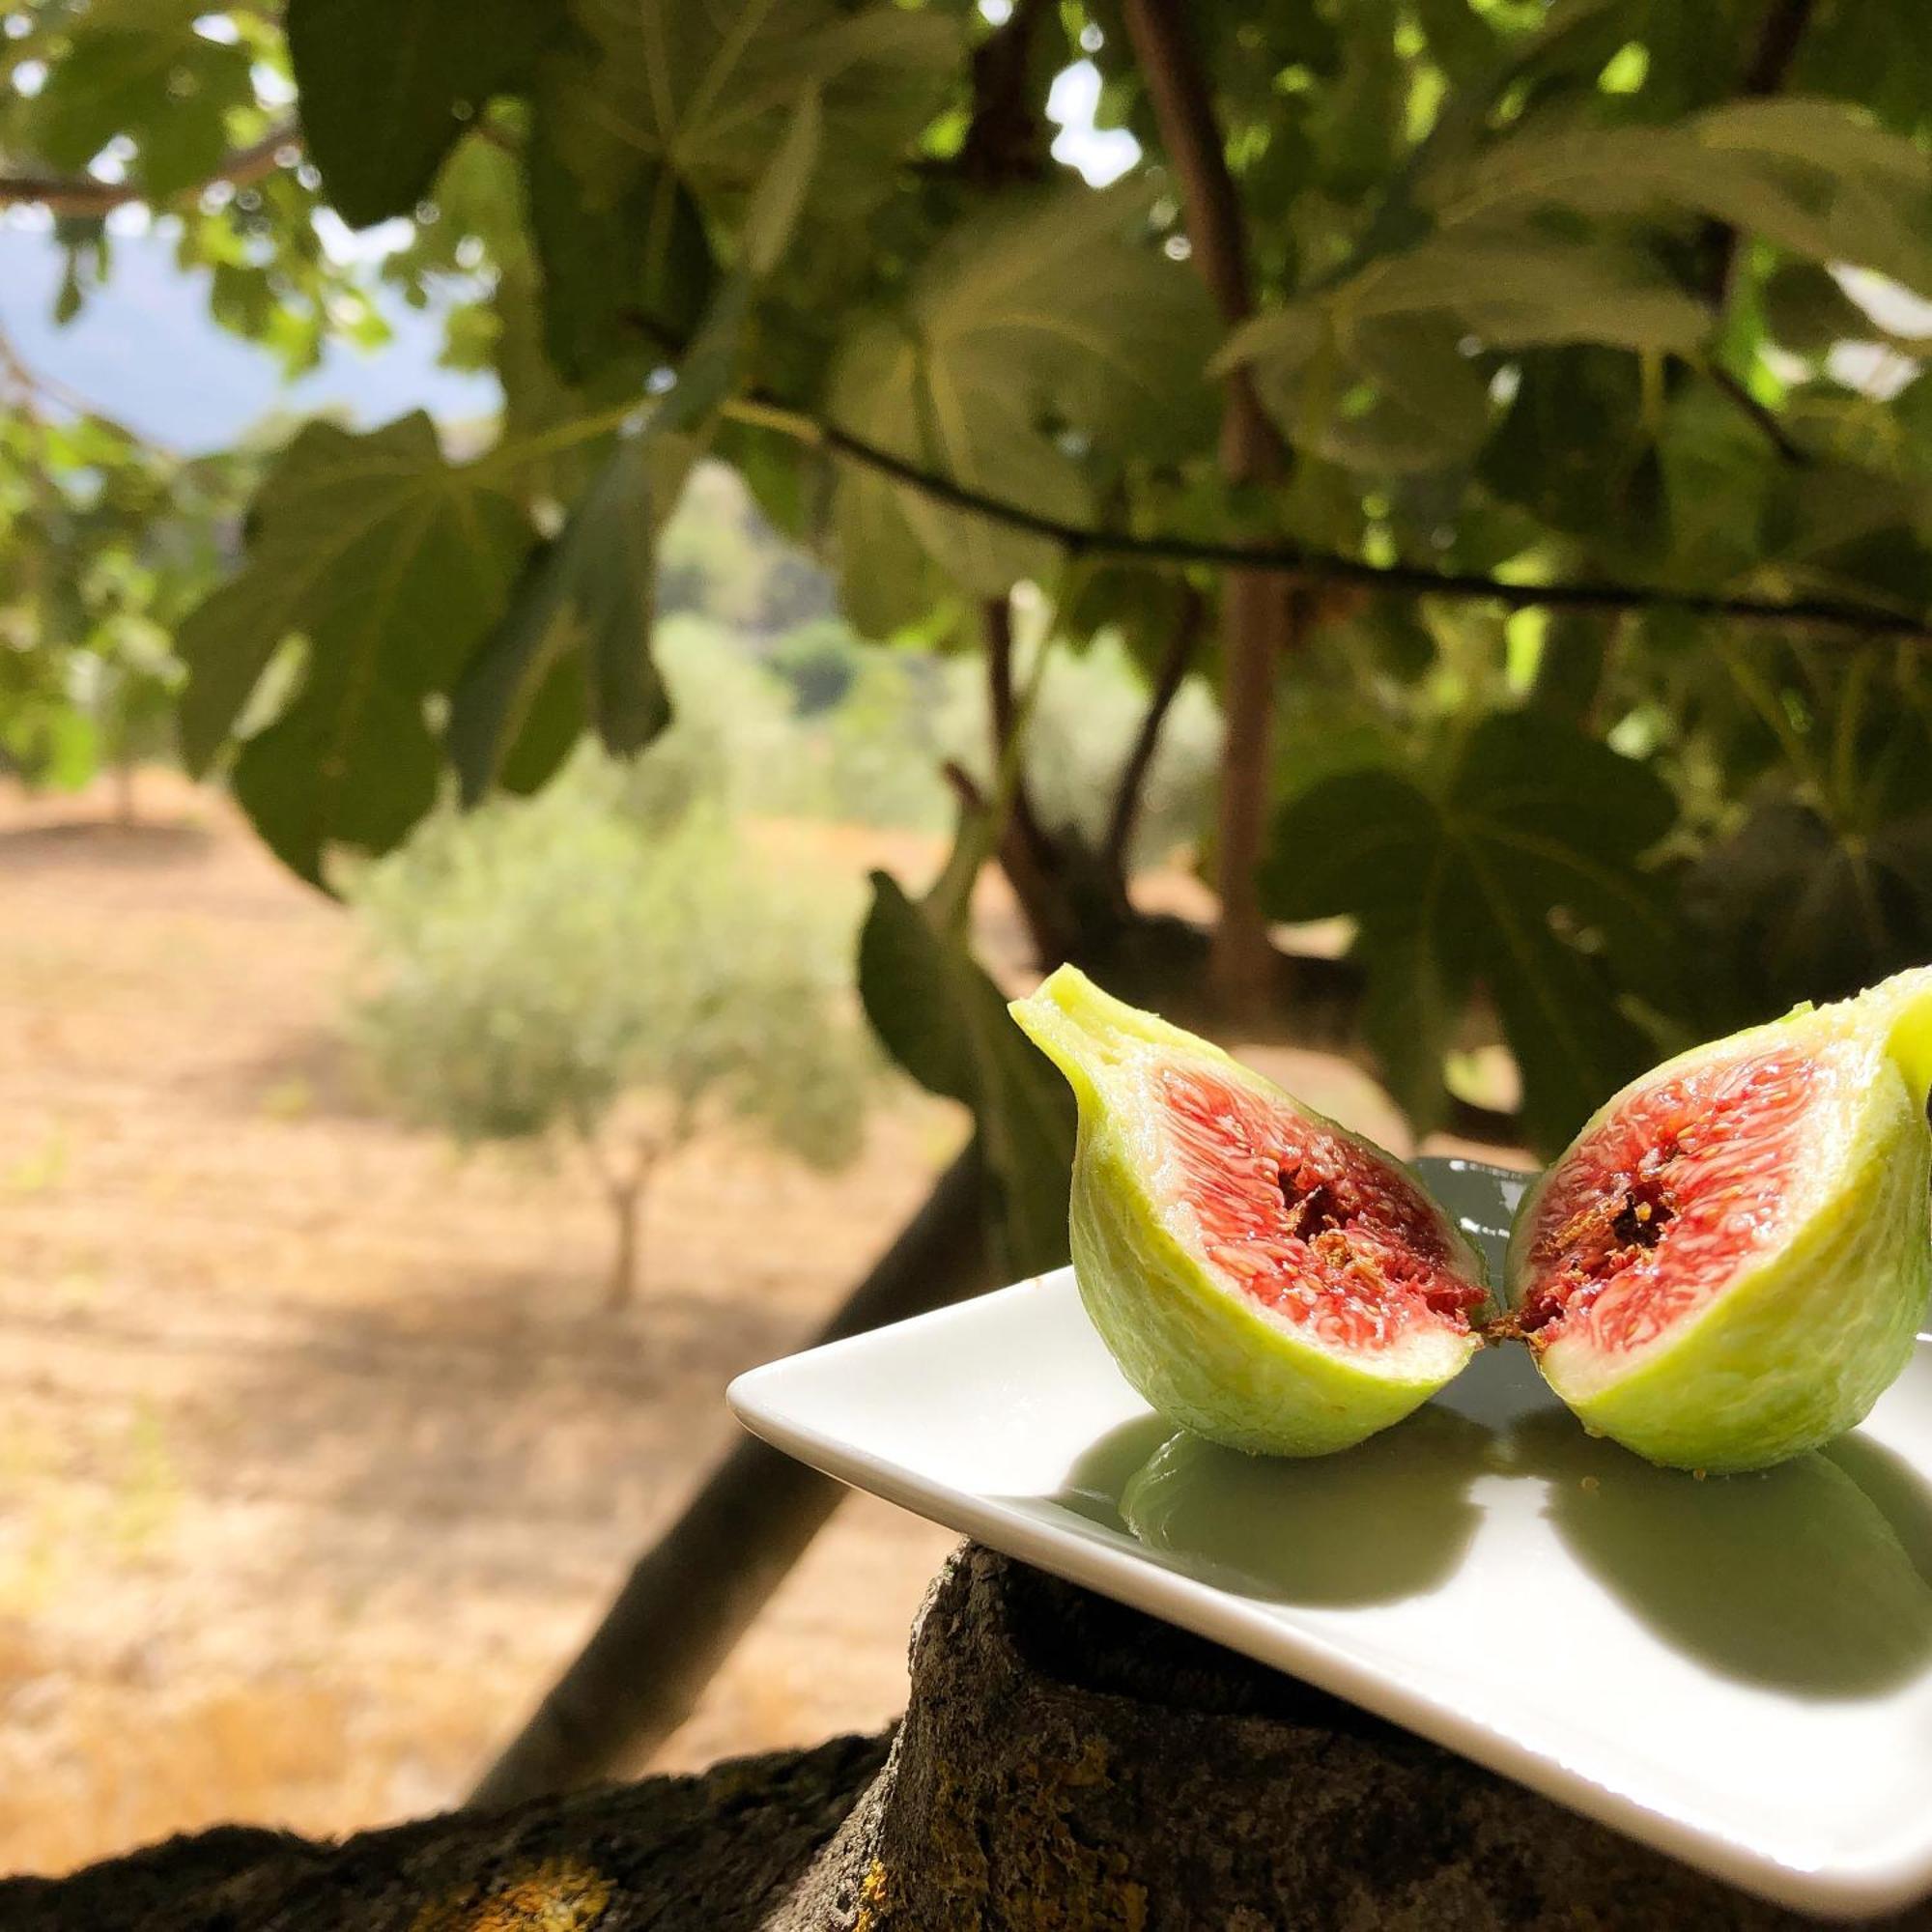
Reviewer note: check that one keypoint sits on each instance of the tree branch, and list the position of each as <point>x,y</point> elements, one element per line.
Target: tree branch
<point>1182,643</point>
<point>83,196</point>
<point>1318,566</point>
<point>1003,709</point>
<point>1164,550</point>
<point>1779,34</point>
<point>1260,616</point>
<point>1006,138</point>
<point>1185,111</point>
<point>1764,420</point>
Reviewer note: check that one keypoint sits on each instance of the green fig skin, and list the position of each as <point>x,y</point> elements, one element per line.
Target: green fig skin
<point>1201,1352</point>
<point>1796,1346</point>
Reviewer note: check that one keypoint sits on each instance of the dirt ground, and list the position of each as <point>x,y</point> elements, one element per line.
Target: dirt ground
<point>316,1459</point>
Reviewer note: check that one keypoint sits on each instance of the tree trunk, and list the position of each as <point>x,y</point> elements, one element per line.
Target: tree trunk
<point>625,1183</point>
<point>1257,608</point>
<point>692,1595</point>
<point>1257,616</point>
<point>627,1207</point>
<point>125,814</point>
<point>1064,1763</point>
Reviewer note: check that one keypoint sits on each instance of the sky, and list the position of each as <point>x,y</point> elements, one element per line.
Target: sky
<point>145,351</point>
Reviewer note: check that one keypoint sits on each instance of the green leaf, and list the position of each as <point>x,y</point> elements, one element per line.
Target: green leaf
<point>1054,312</point>
<point>1517,872</point>
<point>887,582</point>
<point>626,268</point>
<point>779,196</point>
<point>1717,483</point>
<point>1792,907</point>
<point>1507,287</point>
<point>947,1024</point>
<point>146,74</point>
<point>1800,911</point>
<point>660,118</point>
<point>338,767</point>
<point>389,562</point>
<point>1575,451</point>
<point>386,90</point>
<point>706,93</point>
<point>1462,42</point>
<point>1808,312</point>
<point>1812,176</point>
<point>1374,373</point>
<point>553,720</point>
<point>589,597</point>
<point>580,616</point>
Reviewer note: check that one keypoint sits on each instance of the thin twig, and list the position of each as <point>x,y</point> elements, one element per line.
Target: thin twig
<point>82,195</point>
<point>29,383</point>
<point>1171,550</point>
<point>1184,641</point>
<point>1763,419</point>
<point>1779,34</point>
<point>1317,566</point>
<point>761,409</point>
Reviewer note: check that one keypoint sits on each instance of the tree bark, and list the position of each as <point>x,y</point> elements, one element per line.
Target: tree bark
<point>627,1207</point>
<point>721,1852</point>
<point>81,196</point>
<point>1258,621</point>
<point>1063,1762</point>
<point>1257,608</point>
<point>692,1595</point>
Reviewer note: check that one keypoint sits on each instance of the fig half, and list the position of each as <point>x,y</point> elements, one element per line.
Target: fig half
<point>1728,1265</point>
<point>1263,1276</point>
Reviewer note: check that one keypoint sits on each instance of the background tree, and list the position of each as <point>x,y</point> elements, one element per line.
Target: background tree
<point>572,971</point>
<point>110,543</point>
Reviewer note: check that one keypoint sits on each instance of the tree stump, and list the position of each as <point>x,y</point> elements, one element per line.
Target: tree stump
<point>1064,1763</point>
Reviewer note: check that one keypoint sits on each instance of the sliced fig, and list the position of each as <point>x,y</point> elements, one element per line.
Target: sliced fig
<point>1263,1276</point>
<point>1728,1265</point>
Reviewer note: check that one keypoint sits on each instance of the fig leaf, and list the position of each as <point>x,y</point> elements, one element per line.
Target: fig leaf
<point>1517,872</point>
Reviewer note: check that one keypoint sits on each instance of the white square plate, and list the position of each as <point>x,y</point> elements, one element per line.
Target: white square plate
<point>1738,1671</point>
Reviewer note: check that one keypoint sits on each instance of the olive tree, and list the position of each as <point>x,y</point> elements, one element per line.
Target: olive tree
<point>565,971</point>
